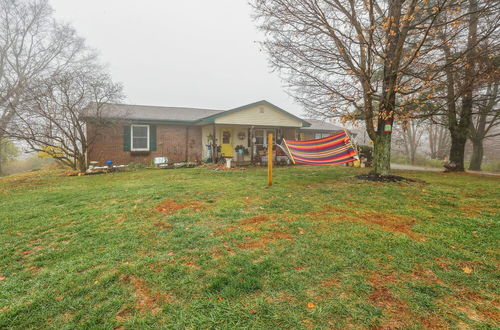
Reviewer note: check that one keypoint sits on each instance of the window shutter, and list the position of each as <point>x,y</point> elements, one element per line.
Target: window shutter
<point>126,138</point>
<point>152,137</point>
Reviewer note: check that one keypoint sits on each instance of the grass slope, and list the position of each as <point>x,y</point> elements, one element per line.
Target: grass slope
<point>197,248</point>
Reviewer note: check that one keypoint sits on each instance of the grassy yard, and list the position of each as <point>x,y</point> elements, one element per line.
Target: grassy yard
<point>197,248</point>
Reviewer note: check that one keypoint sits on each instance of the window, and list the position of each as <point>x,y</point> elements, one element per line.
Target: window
<point>226,137</point>
<point>140,137</point>
<point>321,135</point>
<point>261,136</point>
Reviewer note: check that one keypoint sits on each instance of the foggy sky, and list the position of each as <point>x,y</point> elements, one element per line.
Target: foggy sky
<point>187,53</point>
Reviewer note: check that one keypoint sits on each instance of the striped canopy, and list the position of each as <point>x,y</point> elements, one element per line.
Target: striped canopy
<point>332,150</point>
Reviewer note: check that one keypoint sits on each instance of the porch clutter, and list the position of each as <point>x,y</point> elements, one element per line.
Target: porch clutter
<point>161,161</point>
<point>228,161</point>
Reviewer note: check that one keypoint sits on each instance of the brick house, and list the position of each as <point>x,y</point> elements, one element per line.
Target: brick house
<point>138,133</point>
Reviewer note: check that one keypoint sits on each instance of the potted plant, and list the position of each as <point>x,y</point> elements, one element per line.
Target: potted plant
<point>241,149</point>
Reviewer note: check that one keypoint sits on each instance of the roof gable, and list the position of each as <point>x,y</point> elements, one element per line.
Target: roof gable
<point>260,118</point>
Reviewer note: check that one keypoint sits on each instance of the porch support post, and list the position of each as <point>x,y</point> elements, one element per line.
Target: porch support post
<point>214,146</point>
<point>252,134</point>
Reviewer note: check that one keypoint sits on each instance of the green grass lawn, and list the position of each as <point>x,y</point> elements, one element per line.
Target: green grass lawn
<point>197,248</point>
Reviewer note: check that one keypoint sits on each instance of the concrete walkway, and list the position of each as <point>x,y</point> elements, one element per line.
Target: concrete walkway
<point>433,169</point>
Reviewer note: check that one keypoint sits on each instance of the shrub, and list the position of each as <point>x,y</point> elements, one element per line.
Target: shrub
<point>136,166</point>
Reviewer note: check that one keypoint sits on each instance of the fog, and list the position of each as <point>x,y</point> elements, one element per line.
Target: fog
<point>192,53</point>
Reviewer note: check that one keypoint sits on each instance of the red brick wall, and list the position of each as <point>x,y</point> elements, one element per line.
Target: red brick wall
<point>172,141</point>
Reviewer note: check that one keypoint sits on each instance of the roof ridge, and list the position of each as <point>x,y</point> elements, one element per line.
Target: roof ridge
<point>162,106</point>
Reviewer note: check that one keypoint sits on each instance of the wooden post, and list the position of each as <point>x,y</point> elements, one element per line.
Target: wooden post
<point>214,146</point>
<point>270,159</point>
<point>251,136</point>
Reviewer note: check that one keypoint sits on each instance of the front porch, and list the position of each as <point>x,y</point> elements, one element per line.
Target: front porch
<point>244,144</point>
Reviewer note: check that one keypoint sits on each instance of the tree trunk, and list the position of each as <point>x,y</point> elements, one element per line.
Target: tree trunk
<point>1,151</point>
<point>81,164</point>
<point>477,155</point>
<point>382,154</point>
<point>457,151</point>
<point>412,157</point>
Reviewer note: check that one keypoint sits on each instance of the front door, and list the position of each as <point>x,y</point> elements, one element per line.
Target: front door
<point>226,139</point>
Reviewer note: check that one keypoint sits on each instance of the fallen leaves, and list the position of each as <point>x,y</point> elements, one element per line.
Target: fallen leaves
<point>26,252</point>
<point>2,278</point>
<point>311,305</point>
<point>467,270</point>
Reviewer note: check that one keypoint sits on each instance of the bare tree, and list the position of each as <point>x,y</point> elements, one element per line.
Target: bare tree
<point>32,46</point>
<point>438,137</point>
<point>54,120</point>
<point>463,73</point>
<point>411,134</point>
<point>484,122</point>
<point>356,59</point>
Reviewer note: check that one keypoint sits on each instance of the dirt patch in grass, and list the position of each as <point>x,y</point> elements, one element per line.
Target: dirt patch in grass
<point>218,253</point>
<point>170,206</point>
<point>476,209</point>
<point>262,242</point>
<point>383,219</point>
<point>328,283</point>
<point>255,220</point>
<point>391,222</point>
<point>119,220</point>
<point>397,314</point>
<point>145,300</point>
<point>476,307</point>
<point>163,225</point>
<point>253,245</point>
<point>426,275</point>
<point>489,313</point>
<point>434,322</point>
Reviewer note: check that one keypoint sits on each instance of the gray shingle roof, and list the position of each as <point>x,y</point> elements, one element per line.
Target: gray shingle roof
<point>155,113</point>
<point>180,114</point>
<point>320,125</point>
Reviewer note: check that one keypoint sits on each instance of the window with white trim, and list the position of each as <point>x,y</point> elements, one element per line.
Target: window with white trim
<point>139,137</point>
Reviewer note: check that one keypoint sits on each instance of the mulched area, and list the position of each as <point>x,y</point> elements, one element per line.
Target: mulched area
<point>384,178</point>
